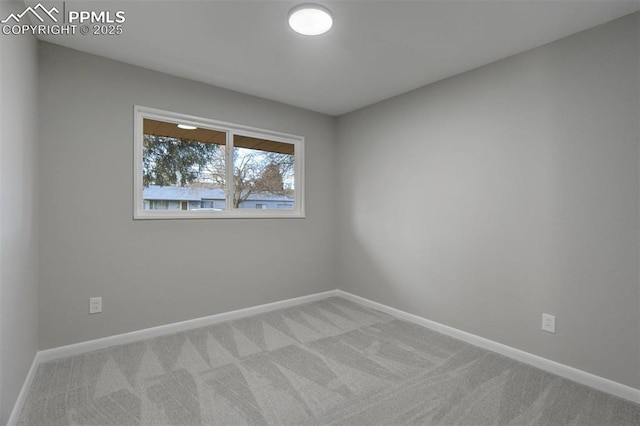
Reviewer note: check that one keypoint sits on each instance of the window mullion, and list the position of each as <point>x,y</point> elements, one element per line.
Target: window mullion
<point>229,171</point>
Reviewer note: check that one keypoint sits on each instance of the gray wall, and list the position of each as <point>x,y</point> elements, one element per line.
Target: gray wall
<point>515,191</point>
<point>157,272</point>
<point>18,212</point>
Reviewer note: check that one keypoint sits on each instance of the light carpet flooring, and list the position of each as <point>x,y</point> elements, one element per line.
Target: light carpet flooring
<point>325,362</point>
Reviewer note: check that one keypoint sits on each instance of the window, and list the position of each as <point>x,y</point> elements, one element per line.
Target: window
<point>158,205</point>
<point>192,167</point>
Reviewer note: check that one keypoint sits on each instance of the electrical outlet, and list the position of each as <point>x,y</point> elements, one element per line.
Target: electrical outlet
<point>95,305</point>
<point>549,323</point>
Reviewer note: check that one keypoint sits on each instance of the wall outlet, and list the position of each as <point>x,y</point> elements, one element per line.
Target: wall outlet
<point>549,323</point>
<point>95,305</point>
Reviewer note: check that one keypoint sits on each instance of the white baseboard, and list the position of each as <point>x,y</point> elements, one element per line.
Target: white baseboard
<point>161,330</point>
<point>22,396</point>
<point>571,373</point>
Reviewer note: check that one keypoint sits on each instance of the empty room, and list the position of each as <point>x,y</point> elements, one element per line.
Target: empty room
<point>328,212</point>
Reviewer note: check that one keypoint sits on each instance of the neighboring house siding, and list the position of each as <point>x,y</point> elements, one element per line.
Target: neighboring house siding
<point>256,204</point>
<point>212,204</point>
<point>172,198</point>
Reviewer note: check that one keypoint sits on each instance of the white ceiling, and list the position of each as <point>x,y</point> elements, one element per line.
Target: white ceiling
<point>376,49</point>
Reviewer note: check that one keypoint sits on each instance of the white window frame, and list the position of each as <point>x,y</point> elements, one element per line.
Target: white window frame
<point>142,112</point>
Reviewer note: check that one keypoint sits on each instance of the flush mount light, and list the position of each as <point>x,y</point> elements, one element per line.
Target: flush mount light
<point>187,127</point>
<point>310,19</point>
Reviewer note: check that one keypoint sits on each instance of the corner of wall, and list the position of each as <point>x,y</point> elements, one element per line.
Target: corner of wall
<point>18,215</point>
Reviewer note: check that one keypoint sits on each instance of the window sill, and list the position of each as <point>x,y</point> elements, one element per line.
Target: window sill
<point>218,215</point>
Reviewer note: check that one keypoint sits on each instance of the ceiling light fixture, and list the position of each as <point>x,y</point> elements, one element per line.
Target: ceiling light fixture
<point>187,127</point>
<point>310,19</point>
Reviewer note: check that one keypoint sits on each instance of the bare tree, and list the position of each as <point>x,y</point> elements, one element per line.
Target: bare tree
<point>259,172</point>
